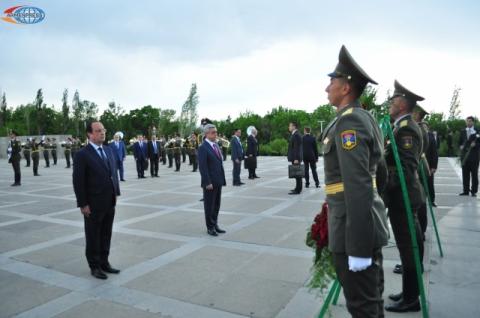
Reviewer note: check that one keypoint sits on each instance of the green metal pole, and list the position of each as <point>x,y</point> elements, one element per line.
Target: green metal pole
<point>337,294</point>
<point>410,219</point>
<point>326,303</point>
<point>425,186</point>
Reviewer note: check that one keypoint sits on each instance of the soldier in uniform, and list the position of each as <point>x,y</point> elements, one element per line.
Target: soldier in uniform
<point>194,151</point>
<point>35,155</point>
<point>353,147</point>
<point>408,137</point>
<point>163,152</point>
<point>26,152</point>
<point>46,153</point>
<point>53,147</point>
<point>14,157</point>
<point>177,152</point>
<point>68,150</point>
<point>169,150</point>
<point>184,152</point>
<point>75,147</point>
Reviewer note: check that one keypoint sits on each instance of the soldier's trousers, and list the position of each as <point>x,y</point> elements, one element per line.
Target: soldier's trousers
<point>67,157</point>
<point>170,161</point>
<point>36,161</point>
<point>470,169</point>
<point>47,159</point>
<point>423,219</point>
<point>194,163</point>
<point>177,162</point>
<point>16,170</point>
<point>54,156</point>
<point>164,158</point>
<point>184,156</point>
<point>363,290</point>
<point>27,158</point>
<point>312,165</point>
<point>398,219</point>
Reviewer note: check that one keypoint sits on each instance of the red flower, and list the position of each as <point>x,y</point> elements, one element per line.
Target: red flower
<point>319,228</point>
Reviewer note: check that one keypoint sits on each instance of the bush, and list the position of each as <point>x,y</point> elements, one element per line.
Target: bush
<point>277,147</point>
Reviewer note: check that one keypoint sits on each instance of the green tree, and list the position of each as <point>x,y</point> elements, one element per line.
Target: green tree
<point>455,104</point>
<point>3,113</point>
<point>77,108</point>
<point>189,116</point>
<point>65,111</point>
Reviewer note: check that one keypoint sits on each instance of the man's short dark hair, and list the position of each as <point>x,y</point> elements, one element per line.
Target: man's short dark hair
<point>307,130</point>
<point>471,117</point>
<point>89,128</point>
<point>294,123</point>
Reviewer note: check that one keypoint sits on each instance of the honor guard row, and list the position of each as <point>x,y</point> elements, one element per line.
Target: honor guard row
<point>361,181</point>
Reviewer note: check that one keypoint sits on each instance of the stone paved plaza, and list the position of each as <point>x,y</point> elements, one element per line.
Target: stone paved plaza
<point>172,268</point>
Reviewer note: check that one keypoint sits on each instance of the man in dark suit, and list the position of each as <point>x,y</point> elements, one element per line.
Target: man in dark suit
<point>237,156</point>
<point>252,154</point>
<point>210,162</point>
<point>469,156</point>
<point>140,155</point>
<point>96,187</point>
<point>295,153</point>
<point>153,150</point>
<point>310,157</point>
<point>120,153</point>
<point>14,157</point>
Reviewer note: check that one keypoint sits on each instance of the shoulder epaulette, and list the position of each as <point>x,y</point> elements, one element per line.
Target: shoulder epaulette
<point>347,112</point>
<point>404,123</point>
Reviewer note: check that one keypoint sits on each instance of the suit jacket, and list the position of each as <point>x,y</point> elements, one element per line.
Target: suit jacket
<point>140,153</point>
<point>94,182</point>
<point>119,152</point>
<point>468,153</point>
<point>252,146</point>
<point>295,151</point>
<point>310,148</point>
<point>237,149</point>
<point>210,166</point>
<point>432,151</point>
<point>151,152</point>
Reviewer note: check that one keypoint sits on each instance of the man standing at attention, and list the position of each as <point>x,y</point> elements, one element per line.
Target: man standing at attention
<point>153,151</point>
<point>353,147</point>
<point>14,157</point>
<point>140,154</point>
<point>469,156</point>
<point>210,161</point>
<point>237,156</point>
<point>96,187</point>
<point>295,153</point>
<point>119,153</point>
<point>310,157</point>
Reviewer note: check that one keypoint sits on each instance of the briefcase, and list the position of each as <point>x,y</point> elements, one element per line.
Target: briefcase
<point>145,166</point>
<point>296,171</point>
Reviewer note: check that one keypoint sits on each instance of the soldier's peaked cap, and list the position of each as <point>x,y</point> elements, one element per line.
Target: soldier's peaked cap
<point>349,69</point>
<point>400,90</point>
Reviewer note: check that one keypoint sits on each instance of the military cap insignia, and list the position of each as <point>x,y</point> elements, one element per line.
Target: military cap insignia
<point>407,142</point>
<point>349,139</point>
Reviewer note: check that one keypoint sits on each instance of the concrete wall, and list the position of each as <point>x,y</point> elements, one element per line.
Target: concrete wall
<point>5,140</point>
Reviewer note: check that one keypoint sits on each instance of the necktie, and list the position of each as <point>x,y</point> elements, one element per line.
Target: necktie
<point>155,147</point>
<point>104,157</point>
<point>217,150</point>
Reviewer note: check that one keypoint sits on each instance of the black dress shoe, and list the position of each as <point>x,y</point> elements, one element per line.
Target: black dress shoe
<point>307,185</point>
<point>143,177</point>
<point>122,180</point>
<point>317,185</point>
<point>15,184</point>
<point>241,183</point>
<point>474,194</point>
<point>97,273</point>
<point>219,230</point>
<point>256,177</point>
<point>109,269</point>
<point>293,192</point>
<point>396,297</point>
<point>398,269</point>
<point>434,204</point>
<point>36,175</point>
<point>464,193</point>
<point>251,178</point>
<point>212,232</point>
<point>403,306</point>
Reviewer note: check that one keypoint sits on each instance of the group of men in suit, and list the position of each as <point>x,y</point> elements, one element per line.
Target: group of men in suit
<point>470,157</point>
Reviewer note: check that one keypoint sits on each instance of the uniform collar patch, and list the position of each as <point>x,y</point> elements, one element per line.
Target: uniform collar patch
<point>349,139</point>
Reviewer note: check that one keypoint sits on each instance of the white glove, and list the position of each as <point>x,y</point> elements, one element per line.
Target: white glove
<point>357,264</point>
